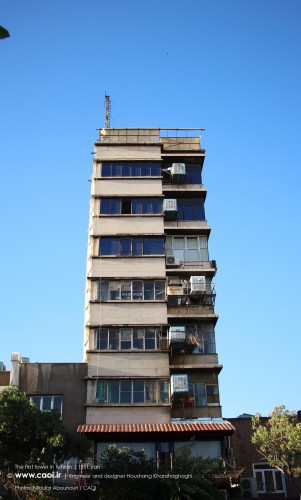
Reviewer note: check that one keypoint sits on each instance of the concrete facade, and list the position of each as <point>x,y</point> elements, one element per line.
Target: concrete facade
<point>142,259</point>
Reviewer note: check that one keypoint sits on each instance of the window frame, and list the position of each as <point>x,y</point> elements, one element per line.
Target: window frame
<point>137,246</point>
<point>122,391</point>
<point>132,168</point>
<point>130,290</point>
<point>262,468</point>
<point>42,398</point>
<point>125,205</point>
<point>202,250</point>
<point>104,336</point>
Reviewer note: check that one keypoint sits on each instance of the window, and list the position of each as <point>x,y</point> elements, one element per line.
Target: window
<point>131,169</point>
<point>132,246</point>
<point>191,209</point>
<point>132,391</point>
<point>130,290</point>
<point>128,206</point>
<point>187,248</point>
<point>48,403</point>
<point>204,394</point>
<point>126,338</point>
<point>268,479</point>
<point>193,174</point>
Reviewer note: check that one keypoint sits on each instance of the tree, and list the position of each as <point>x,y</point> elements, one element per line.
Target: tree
<point>278,440</point>
<point>195,479</point>
<point>31,438</point>
<point>3,33</point>
<point>129,474</point>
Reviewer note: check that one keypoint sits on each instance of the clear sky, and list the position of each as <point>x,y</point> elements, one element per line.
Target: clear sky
<point>232,67</point>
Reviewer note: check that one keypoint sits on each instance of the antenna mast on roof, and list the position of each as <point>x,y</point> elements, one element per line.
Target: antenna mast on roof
<point>107,111</point>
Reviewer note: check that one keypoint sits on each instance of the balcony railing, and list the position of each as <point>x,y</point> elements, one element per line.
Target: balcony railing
<point>188,300</point>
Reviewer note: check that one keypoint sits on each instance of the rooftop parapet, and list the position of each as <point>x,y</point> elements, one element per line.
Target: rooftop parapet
<point>169,138</point>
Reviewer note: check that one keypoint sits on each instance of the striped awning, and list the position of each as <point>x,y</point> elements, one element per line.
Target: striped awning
<point>224,426</point>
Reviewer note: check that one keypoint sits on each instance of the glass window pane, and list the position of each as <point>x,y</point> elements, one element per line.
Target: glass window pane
<point>101,338</point>
<point>138,391</point>
<point>116,170</point>
<point>151,395</point>
<point>156,206</point>
<point>126,287</point>
<point>125,391</point>
<point>125,246</point>
<point>138,338</point>
<point>269,483</point>
<point>259,481</point>
<point>199,212</point>
<point>153,246</point>
<point>159,290</point>
<point>192,243</point>
<point>145,169</point>
<point>37,401</point>
<point>164,391</point>
<point>114,290</point>
<point>136,170</point>
<point>136,206</point>
<point>101,391</point>
<point>104,289</point>
<point>179,243</point>
<point>113,391</point>
<point>126,338</point>
<point>137,245</point>
<point>278,480</point>
<point>150,339</point>
<point>156,169</point>
<point>116,206</point>
<point>106,169</point>
<point>212,394</point>
<point>126,170</point>
<point>200,394</point>
<point>105,206</point>
<point>109,246</point>
<point>46,403</point>
<point>57,403</point>
<point>113,338</point>
<point>137,290</point>
<point>148,290</point>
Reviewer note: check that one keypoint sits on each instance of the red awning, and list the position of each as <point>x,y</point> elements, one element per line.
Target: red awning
<point>224,427</point>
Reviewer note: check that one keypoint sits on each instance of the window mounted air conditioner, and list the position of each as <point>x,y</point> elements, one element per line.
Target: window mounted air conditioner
<point>178,172</point>
<point>197,285</point>
<point>177,333</point>
<point>170,209</point>
<point>179,383</point>
<point>172,261</point>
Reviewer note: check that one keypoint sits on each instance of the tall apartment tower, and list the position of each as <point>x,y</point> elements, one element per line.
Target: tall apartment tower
<point>149,315</point>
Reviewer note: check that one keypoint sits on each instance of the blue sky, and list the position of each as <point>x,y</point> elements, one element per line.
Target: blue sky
<point>232,67</point>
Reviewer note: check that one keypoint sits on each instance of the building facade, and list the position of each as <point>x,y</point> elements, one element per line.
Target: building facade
<point>150,320</point>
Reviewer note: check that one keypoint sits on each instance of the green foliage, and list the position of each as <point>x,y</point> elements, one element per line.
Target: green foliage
<point>3,33</point>
<point>148,483</point>
<point>199,473</point>
<point>278,439</point>
<point>29,437</point>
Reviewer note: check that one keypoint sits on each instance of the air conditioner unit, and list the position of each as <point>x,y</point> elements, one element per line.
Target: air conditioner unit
<point>172,261</point>
<point>248,487</point>
<point>179,383</point>
<point>177,333</point>
<point>178,172</point>
<point>197,285</point>
<point>170,209</point>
